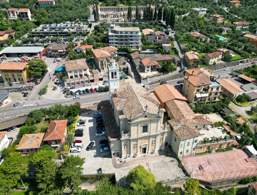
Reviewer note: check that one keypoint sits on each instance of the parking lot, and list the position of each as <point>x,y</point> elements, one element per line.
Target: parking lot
<point>95,158</point>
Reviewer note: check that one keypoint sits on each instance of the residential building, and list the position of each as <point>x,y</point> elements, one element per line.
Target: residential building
<point>220,169</point>
<point>213,58</point>
<point>235,3</point>
<point>30,143</point>
<point>56,50</point>
<point>241,25</point>
<point>192,58</point>
<point>103,56</point>
<point>128,37</point>
<point>191,133</point>
<point>148,65</point>
<point>198,35</point>
<point>157,37</point>
<point>230,88</point>
<point>5,35</point>
<point>140,121</point>
<point>83,48</point>
<point>19,13</point>
<point>218,18</point>
<point>22,51</point>
<point>4,141</point>
<point>200,10</point>
<point>78,73</point>
<point>112,14</point>
<point>14,72</point>
<point>46,3</point>
<point>56,133</point>
<point>201,86</point>
<point>252,38</point>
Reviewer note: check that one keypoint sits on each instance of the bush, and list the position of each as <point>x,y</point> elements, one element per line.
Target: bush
<point>243,98</point>
<point>42,91</point>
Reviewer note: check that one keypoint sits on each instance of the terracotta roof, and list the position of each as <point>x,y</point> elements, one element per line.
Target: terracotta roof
<point>215,54</point>
<point>246,78</point>
<point>241,23</point>
<point>196,34</point>
<point>79,64</point>
<point>30,141</point>
<point>184,132</point>
<point>251,36</point>
<point>191,55</point>
<point>149,62</point>
<point>168,92</point>
<point>221,166</point>
<point>198,76</point>
<point>104,52</point>
<point>2,134</point>
<point>230,86</point>
<point>13,66</point>
<point>147,31</point>
<point>56,130</point>
<point>6,32</point>
<point>132,100</point>
<point>179,110</point>
<point>85,46</point>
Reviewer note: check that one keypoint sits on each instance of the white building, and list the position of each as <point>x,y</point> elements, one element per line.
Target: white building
<point>4,141</point>
<point>128,37</point>
<point>21,13</point>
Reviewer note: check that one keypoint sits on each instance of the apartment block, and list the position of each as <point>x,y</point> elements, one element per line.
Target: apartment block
<point>201,86</point>
<point>126,37</point>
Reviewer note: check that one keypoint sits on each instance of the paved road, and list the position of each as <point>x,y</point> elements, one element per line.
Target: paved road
<point>11,112</point>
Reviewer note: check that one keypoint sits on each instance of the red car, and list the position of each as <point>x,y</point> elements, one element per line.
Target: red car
<point>78,141</point>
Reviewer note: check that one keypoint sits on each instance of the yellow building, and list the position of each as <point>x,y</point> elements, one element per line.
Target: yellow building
<point>14,72</point>
<point>200,86</point>
<point>5,35</point>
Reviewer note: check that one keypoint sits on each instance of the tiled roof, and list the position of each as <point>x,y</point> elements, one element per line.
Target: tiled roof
<point>147,31</point>
<point>133,100</point>
<point>167,92</point>
<point>85,46</point>
<point>221,166</point>
<point>215,54</point>
<point>230,86</point>
<point>179,110</point>
<point>56,130</point>
<point>184,132</point>
<point>79,64</point>
<point>191,55</point>
<point>13,66</point>
<point>149,62</point>
<point>57,46</point>
<point>2,134</point>
<point>30,141</point>
<point>246,78</point>
<point>198,76</point>
<point>104,52</point>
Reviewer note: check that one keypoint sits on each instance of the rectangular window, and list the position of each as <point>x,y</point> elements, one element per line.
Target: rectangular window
<point>145,129</point>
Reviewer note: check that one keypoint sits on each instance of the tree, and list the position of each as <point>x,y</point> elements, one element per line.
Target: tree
<point>44,170</point>
<point>160,13</point>
<point>192,187</point>
<point>70,173</point>
<point>171,18</point>
<point>129,13</point>
<point>140,179</point>
<point>227,57</point>
<point>243,98</point>
<point>138,13</point>
<point>37,68</point>
<point>168,67</point>
<point>13,169</point>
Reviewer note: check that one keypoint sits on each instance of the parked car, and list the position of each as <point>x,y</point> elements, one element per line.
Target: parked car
<point>90,146</point>
<point>104,146</point>
<point>77,145</point>
<point>79,133</point>
<point>75,150</point>
<point>100,131</point>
